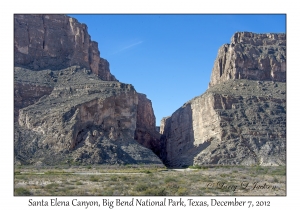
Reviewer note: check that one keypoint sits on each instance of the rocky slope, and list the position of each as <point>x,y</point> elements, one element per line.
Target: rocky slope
<point>68,107</point>
<point>237,120</point>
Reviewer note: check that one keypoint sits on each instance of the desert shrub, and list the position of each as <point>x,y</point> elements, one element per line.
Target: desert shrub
<point>51,186</point>
<point>182,191</point>
<point>107,192</point>
<point>146,171</point>
<point>94,179</point>
<point>140,187</point>
<point>21,191</point>
<point>124,178</point>
<point>275,180</point>
<point>281,171</point>
<point>114,178</point>
<point>17,172</point>
<point>172,185</point>
<point>155,191</point>
<point>23,177</point>
<point>198,167</point>
<point>170,179</point>
<point>79,183</point>
<point>260,169</point>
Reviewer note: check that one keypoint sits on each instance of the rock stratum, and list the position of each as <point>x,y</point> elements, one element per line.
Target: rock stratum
<point>56,42</point>
<point>241,118</point>
<point>251,56</point>
<point>68,107</point>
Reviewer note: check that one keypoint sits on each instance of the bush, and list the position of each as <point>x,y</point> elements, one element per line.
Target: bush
<point>156,191</point>
<point>17,172</point>
<point>170,179</point>
<point>107,192</point>
<point>260,169</point>
<point>281,171</point>
<point>21,191</point>
<point>94,179</point>
<point>182,191</point>
<point>140,187</point>
<point>198,167</point>
<point>50,186</point>
<point>79,183</point>
<point>124,178</point>
<point>114,178</point>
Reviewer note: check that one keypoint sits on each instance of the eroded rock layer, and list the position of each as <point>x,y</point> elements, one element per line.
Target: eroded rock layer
<point>83,119</point>
<point>251,56</point>
<point>56,42</point>
<point>241,118</point>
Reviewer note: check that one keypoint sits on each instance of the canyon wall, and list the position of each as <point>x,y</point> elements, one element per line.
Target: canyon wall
<point>146,133</point>
<point>56,42</point>
<point>68,107</point>
<point>241,118</point>
<point>251,56</point>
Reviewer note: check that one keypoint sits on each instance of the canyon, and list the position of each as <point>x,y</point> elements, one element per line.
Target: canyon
<point>69,108</point>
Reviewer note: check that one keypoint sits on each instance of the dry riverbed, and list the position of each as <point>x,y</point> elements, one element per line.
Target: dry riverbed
<point>135,180</point>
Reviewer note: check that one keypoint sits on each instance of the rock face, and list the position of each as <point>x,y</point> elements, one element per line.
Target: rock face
<point>146,133</point>
<point>27,94</point>
<point>237,120</point>
<point>68,107</point>
<point>56,42</point>
<point>251,56</point>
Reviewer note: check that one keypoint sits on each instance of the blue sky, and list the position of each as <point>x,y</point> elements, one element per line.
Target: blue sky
<point>169,57</point>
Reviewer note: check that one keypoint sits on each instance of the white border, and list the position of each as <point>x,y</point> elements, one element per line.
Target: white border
<point>154,6</point>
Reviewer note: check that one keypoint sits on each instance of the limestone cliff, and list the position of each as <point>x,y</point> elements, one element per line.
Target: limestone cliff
<point>68,107</point>
<point>52,42</point>
<point>237,120</point>
<point>56,42</point>
<point>146,133</point>
<point>251,56</point>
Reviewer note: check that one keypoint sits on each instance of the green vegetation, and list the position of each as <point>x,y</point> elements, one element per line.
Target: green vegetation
<point>94,179</point>
<point>79,183</point>
<point>280,170</point>
<point>138,180</point>
<point>51,186</point>
<point>21,191</point>
<point>198,167</point>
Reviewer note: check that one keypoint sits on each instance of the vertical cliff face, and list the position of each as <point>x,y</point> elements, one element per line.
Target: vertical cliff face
<point>68,106</point>
<point>56,42</point>
<point>236,122</point>
<point>241,118</point>
<point>190,130</point>
<point>145,132</point>
<point>251,56</point>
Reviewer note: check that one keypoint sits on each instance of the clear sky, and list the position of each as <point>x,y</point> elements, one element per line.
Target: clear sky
<point>169,57</point>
